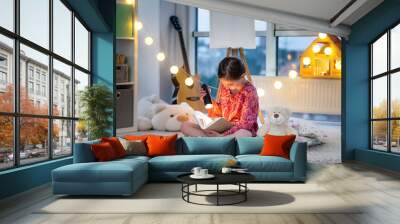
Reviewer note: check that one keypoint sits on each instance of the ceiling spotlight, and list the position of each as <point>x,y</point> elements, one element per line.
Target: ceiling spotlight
<point>278,85</point>
<point>174,69</point>
<point>316,48</point>
<point>260,92</point>
<point>138,25</point>
<point>189,81</point>
<point>322,35</point>
<point>293,74</point>
<point>328,51</point>
<point>148,41</point>
<point>306,61</point>
<point>160,56</point>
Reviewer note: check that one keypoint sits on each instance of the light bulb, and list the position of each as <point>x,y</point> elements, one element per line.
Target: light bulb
<point>160,56</point>
<point>148,41</point>
<point>260,92</point>
<point>174,69</point>
<point>138,25</point>
<point>208,106</point>
<point>322,35</point>
<point>338,65</point>
<point>306,61</point>
<point>293,74</point>
<point>189,81</point>
<point>278,84</point>
<point>328,51</point>
<point>316,48</point>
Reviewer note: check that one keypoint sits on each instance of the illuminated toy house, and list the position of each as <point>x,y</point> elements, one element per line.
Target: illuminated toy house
<point>322,58</point>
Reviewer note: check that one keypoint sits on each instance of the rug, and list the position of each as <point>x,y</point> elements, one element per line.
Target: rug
<point>166,198</point>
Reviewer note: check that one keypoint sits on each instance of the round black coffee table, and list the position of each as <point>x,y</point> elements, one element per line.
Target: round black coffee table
<point>238,179</point>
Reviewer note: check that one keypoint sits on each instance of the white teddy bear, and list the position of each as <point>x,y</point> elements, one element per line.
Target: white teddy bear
<point>277,123</point>
<point>171,117</point>
<point>147,107</point>
<point>154,113</point>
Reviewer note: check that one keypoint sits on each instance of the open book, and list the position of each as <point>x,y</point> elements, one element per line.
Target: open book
<point>207,123</point>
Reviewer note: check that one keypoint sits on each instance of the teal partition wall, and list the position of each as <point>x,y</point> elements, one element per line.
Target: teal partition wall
<point>99,15</point>
<point>356,85</point>
<point>103,64</point>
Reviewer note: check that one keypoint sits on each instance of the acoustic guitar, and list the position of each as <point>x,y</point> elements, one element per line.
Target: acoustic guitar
<point>189,94</point>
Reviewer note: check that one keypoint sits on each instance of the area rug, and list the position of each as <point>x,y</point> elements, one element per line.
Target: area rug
<point>166,198</point>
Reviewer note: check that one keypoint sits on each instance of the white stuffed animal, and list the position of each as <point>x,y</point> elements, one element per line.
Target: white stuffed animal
<point>278,118</point>
<point>171,117</point>
<point>154,113</point>
<point>147,107</point>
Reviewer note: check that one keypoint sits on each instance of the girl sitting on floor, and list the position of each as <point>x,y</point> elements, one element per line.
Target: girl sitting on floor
<point>237,103</point>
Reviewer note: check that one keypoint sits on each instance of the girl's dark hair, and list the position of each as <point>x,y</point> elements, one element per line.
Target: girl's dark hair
<point>230,68</point>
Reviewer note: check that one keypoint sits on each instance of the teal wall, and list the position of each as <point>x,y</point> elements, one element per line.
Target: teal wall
<point>24,178</point>
<point>99,15</point>
<point>103,64</point>
<point>356,85</point>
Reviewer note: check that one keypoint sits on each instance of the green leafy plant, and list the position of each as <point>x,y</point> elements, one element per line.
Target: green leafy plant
<point>96,102</point>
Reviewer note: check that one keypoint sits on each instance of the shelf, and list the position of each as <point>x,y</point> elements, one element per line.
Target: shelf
<point>125,38</point>
<point>125,83</point>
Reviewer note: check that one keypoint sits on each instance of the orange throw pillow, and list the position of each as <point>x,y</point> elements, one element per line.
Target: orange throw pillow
<point>161,145</point>
<point>103,152</point>
<point>116,145</point>
<point>277,145</point>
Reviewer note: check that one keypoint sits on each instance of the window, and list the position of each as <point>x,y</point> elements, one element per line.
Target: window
<point>3,78</point>
<point>81,45</point>
<point>30,87</point>
<point>7,14</point>
<point>42,131</point>
<point>62,29</point>
<point>34,21</point>
<point>385,94</point>
<point>207,59</point>
<point>30,72</point>
<point>7,75</point>
<point>289,51</point>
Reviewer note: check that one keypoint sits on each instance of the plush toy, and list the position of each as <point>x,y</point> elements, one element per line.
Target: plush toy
<point>154,113</point>
<point>171,117</point>
<point>277,124</point>
<point>147,107</point>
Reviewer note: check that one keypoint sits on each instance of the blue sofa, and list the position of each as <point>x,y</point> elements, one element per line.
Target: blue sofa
<point>125,176</point>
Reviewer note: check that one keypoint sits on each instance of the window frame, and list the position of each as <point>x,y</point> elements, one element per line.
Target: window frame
<point>388,74</point>
<point>16,115</point>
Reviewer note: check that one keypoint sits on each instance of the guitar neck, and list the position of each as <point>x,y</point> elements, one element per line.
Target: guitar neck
<point>183,50</point>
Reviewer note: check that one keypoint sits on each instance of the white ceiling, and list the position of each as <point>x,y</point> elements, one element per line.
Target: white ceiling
<point>313,15</point>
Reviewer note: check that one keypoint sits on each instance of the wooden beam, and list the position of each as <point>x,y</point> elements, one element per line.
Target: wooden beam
<point>270,15</point>
<point>346,11</point>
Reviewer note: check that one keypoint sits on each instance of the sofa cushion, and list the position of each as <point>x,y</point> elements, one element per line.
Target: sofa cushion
<point>277,145</point>
<point>159,145</point>
<point>185,163</point>
<point>249,145</point>
<point>206,145</point>
<point>103,152</point>
<point>83,152</point>
<point>257,163</point>
<point>116,145</point>
<point>113,171</point>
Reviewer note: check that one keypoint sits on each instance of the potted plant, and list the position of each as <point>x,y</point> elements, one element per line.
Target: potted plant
<point>96,103</point>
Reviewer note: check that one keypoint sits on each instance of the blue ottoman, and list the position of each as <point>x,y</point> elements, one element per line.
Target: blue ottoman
<point>118,177</point>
